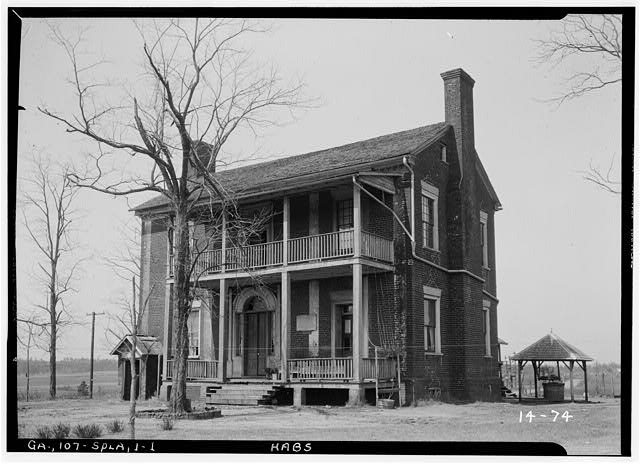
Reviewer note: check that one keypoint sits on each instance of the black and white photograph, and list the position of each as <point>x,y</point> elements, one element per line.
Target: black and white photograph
<point>319,231</point>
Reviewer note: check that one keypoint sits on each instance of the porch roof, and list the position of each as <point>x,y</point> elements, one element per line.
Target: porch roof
<point>146,345</point>
<point>324,164</point>
<point>551,348</point>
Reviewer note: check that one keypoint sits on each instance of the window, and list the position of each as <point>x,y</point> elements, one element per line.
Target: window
<point>193,324</point>
<point>345,340</point>
<point>443,153</point>
<point>432,320</point>
<point>344,221</point>
<point>484,242</point>
<point>430,216</point>
<point>345,214</point>
<point>486,326</point>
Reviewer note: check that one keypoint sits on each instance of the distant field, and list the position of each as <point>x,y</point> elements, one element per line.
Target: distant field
<point>105,383</point>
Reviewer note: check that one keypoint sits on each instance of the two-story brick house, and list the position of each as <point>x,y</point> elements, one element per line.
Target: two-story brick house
<point>387,243</point>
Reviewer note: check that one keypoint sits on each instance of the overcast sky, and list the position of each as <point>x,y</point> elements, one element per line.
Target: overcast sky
<point>557,238</point>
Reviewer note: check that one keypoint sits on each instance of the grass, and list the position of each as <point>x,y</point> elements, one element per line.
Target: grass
<point>593,429</point>
<point>87,431</point>
<point>115,426</point>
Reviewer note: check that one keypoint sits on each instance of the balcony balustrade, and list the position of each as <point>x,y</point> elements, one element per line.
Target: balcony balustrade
<point>332,245</point>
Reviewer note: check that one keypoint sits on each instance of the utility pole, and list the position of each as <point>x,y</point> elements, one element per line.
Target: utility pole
<point>93,332</point>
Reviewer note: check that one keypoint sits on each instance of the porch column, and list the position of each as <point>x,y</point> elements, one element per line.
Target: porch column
<point>222,316</point>
<point>357,319</point>
<point>285,231</point>
<point>285,305</point>
<point>168,323</point>
<point>357,224</point>
<point>223,257</point>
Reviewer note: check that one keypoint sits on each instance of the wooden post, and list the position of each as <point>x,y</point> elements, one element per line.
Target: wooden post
<point>223,258</point>
<point>519,380</point>
<point>535,377</point>
<point>357,320</point>
<point>586,387</point>
<point>558,368</point>
<point>285,307</point>
<point>571,380</point>
<point>285,231</point>
<point>357,227</point>
<point>222,316</point>
<point>375,351</point>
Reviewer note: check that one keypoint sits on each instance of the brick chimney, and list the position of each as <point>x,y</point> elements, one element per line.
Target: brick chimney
<point>458,109</point>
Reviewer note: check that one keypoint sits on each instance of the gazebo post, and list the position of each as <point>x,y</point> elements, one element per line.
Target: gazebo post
<point>535,378</point>
<point>519,380</point>
<point>571,379</point>
<point>586,389</point>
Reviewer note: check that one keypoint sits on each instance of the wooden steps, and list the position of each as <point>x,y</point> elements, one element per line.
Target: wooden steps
<point>243,394</point>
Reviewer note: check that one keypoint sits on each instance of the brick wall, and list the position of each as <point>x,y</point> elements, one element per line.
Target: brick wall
<point>153,274</point>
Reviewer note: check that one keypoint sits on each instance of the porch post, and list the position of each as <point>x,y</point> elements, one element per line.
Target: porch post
<point>285,231</point>
<point>222,316</point>
<point>223,258</point>
<point>285,305</point>
<point>357,224</point>
<point>357,319</point>
<point>168,325</point>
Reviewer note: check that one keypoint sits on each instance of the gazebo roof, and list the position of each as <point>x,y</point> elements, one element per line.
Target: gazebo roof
<point>551,348</point>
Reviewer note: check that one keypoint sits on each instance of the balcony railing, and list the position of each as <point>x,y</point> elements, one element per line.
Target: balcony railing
<point>322,246</point>
<point>320,369</point>
<point>312,248</point>
<point>386,368</point>
<point>196,369</point>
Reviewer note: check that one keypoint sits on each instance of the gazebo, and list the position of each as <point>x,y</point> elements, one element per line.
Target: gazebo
<point>552,348</point>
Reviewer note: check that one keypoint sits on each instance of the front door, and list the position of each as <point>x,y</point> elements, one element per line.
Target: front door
<point>257,328</point>
<point>344,332</point>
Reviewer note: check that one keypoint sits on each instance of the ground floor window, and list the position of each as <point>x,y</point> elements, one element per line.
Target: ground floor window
<point>194,332</point>
<point>431,306</point>
<point>486,326</point>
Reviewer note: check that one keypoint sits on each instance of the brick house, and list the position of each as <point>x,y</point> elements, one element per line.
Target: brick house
<point>376,251</point>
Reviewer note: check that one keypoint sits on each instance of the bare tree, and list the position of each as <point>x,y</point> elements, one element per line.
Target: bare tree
<point>577,37</point>
<point>47,216</point>
<point>593,44</point>
<point>126,265</point>
<point>200,90</point>
<point>34,329</point>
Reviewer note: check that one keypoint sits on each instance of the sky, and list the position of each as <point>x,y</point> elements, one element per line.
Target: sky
<point>557,238</point>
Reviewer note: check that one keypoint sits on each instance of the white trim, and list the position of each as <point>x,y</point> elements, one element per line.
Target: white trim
<point>484,219</point>
<point>486,309</point>
<point>432,193</point>
<point>433,294</point>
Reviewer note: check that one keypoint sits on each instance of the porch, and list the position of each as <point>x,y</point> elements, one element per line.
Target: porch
<point>302,370</point>
<point>310,249</point>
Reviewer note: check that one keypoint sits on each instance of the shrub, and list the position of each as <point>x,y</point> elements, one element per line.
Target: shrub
<point>166,423</point>
<point>87,431</point>
<point>115,426</point>
<point>83,389</point>
<point>61,430</point>
<point>43,432</point>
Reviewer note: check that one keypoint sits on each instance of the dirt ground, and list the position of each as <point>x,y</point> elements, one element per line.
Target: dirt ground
<point>593,429</point>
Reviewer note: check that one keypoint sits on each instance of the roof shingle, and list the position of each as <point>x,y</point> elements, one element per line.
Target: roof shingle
<point>551,348</point>
<point>273,174</point>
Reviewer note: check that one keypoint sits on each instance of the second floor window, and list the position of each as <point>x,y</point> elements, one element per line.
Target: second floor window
<point>429,216</point>
<point>345,214</point>
<point>484,239</point>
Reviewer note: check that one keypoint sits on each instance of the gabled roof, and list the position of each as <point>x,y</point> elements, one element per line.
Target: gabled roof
<point>145,345</point>
<point>324,164</point>
<point>551,348</point>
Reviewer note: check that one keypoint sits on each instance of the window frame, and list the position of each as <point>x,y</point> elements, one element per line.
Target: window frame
<point>432,193</point>
<point>484,238</point>
<point>486,314</point>
<point>443,153</point>
<point>199,346</point>
<point>432,294</point>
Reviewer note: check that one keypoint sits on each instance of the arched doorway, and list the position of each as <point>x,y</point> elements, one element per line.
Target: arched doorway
<point>258,336</point>
<point>255,334</point>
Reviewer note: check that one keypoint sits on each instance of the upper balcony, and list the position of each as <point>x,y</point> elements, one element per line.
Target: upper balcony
<point>330,228</point>
<point>309,249</point>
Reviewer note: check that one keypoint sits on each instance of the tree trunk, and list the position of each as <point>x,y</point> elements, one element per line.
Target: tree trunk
<point>181,305</point>
<point>53,332</point>
<point>133,391</point>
